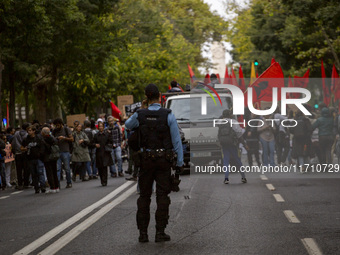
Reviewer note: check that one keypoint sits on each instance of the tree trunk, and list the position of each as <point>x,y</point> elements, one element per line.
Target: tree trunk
<point>11,95</point>
<point>52,91</point>
<point>1,68</point>
<point>27,110</point>
<point>40,95</point>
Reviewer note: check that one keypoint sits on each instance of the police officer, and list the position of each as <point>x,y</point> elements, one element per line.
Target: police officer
<point>159,136</point>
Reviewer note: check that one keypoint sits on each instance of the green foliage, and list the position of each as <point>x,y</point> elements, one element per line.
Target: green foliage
<point>294,31</point>
<point>85,52</point>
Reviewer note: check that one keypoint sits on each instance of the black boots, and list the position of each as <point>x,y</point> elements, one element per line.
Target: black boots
<point>161,237</point>
<point>143,237</point>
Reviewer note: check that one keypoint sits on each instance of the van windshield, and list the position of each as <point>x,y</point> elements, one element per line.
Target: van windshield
<point>189,109</point>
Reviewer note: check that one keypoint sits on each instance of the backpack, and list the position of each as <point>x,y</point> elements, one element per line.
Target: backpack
<point>303,128</point>
<point>55,153</point>
<point>90,135</point>
<point>227,135</point>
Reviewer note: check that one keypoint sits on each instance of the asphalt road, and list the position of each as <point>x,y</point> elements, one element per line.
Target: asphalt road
<point>206,217</point>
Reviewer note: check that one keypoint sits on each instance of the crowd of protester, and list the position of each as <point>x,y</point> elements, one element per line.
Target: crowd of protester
<point>314,140</point>
<point>41,155</point>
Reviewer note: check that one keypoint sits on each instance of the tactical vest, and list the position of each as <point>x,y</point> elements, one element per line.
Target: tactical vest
<point>154,129</point>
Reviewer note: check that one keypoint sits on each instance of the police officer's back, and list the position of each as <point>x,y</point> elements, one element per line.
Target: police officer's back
<point>159,136</point>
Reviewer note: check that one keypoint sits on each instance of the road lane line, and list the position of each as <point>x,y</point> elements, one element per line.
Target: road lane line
<point>311,246</point>
<point>278,198</point>
<point>270,187</point>
<point>263,177</point>
<point>291,216</point>
<point>52,233</point>
<point>4,197</point>
<point>17,192</point>
<point>76,231</point>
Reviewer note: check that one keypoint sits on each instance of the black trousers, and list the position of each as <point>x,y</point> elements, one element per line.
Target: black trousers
<point>325,143</point>
<point>23,173</point>
<point>103,174</point>
<point>255,152</point>
<point>51,173</point>
<point>158,170</point>
<point>80,167</point>
<point>282,147</point>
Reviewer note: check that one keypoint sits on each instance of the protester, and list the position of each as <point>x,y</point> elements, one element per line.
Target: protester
<point>2,162</point>
<point>282,137</point>
<point>50,160</point>
<point>103,141</point>
<point>326,135</point>
<point>32,146</point>
<point>252,139</point>
<point>116,146</point>
<point>9,159</point>
<point>302,144</point>
<point>267,140</point>
<point>91,165</point>
<point>174,87</point>
<point>230,137</point>
<point>64,136</point>
<point>80,154</point>
<point>23,172</point>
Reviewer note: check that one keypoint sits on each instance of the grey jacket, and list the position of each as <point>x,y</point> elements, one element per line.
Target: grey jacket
<point>80,153</point>
<point>18,138</point>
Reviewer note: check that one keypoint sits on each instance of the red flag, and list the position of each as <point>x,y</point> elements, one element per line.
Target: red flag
<point>300,82</point>
<point>218,77</point>
<point>115,111</point>
<point>257,75</point>
<point>192,75</point>
<point>326,95</point>
<point>241,80</point>
<point>207,79</point>
<point>233,77</point>
<point>272,77</point>
<point>290,85</point>
<point>335,84</point>
<point>273,61</point>
<point>226,76</point>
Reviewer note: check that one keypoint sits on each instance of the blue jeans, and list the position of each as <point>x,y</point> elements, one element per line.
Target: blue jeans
<point>65,157</point>
<point>36,168</point>
<point>268,149</point>
<point>231,150</point>
<point>93,162</point>
<point>117,154</point>
<point>303,160</point>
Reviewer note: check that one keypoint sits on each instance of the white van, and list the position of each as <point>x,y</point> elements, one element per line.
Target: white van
<point>201,144</point>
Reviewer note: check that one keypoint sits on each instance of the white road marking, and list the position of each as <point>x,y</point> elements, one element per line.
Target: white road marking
<point>17,192</point>
<point>278,198</point>
<point>72,234</point>
<point>311,246</point>
<point>263,177</point>
<point>270,187</point>
<point>291,216</point>
<point>4,197</point>
<point>52,233</point>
